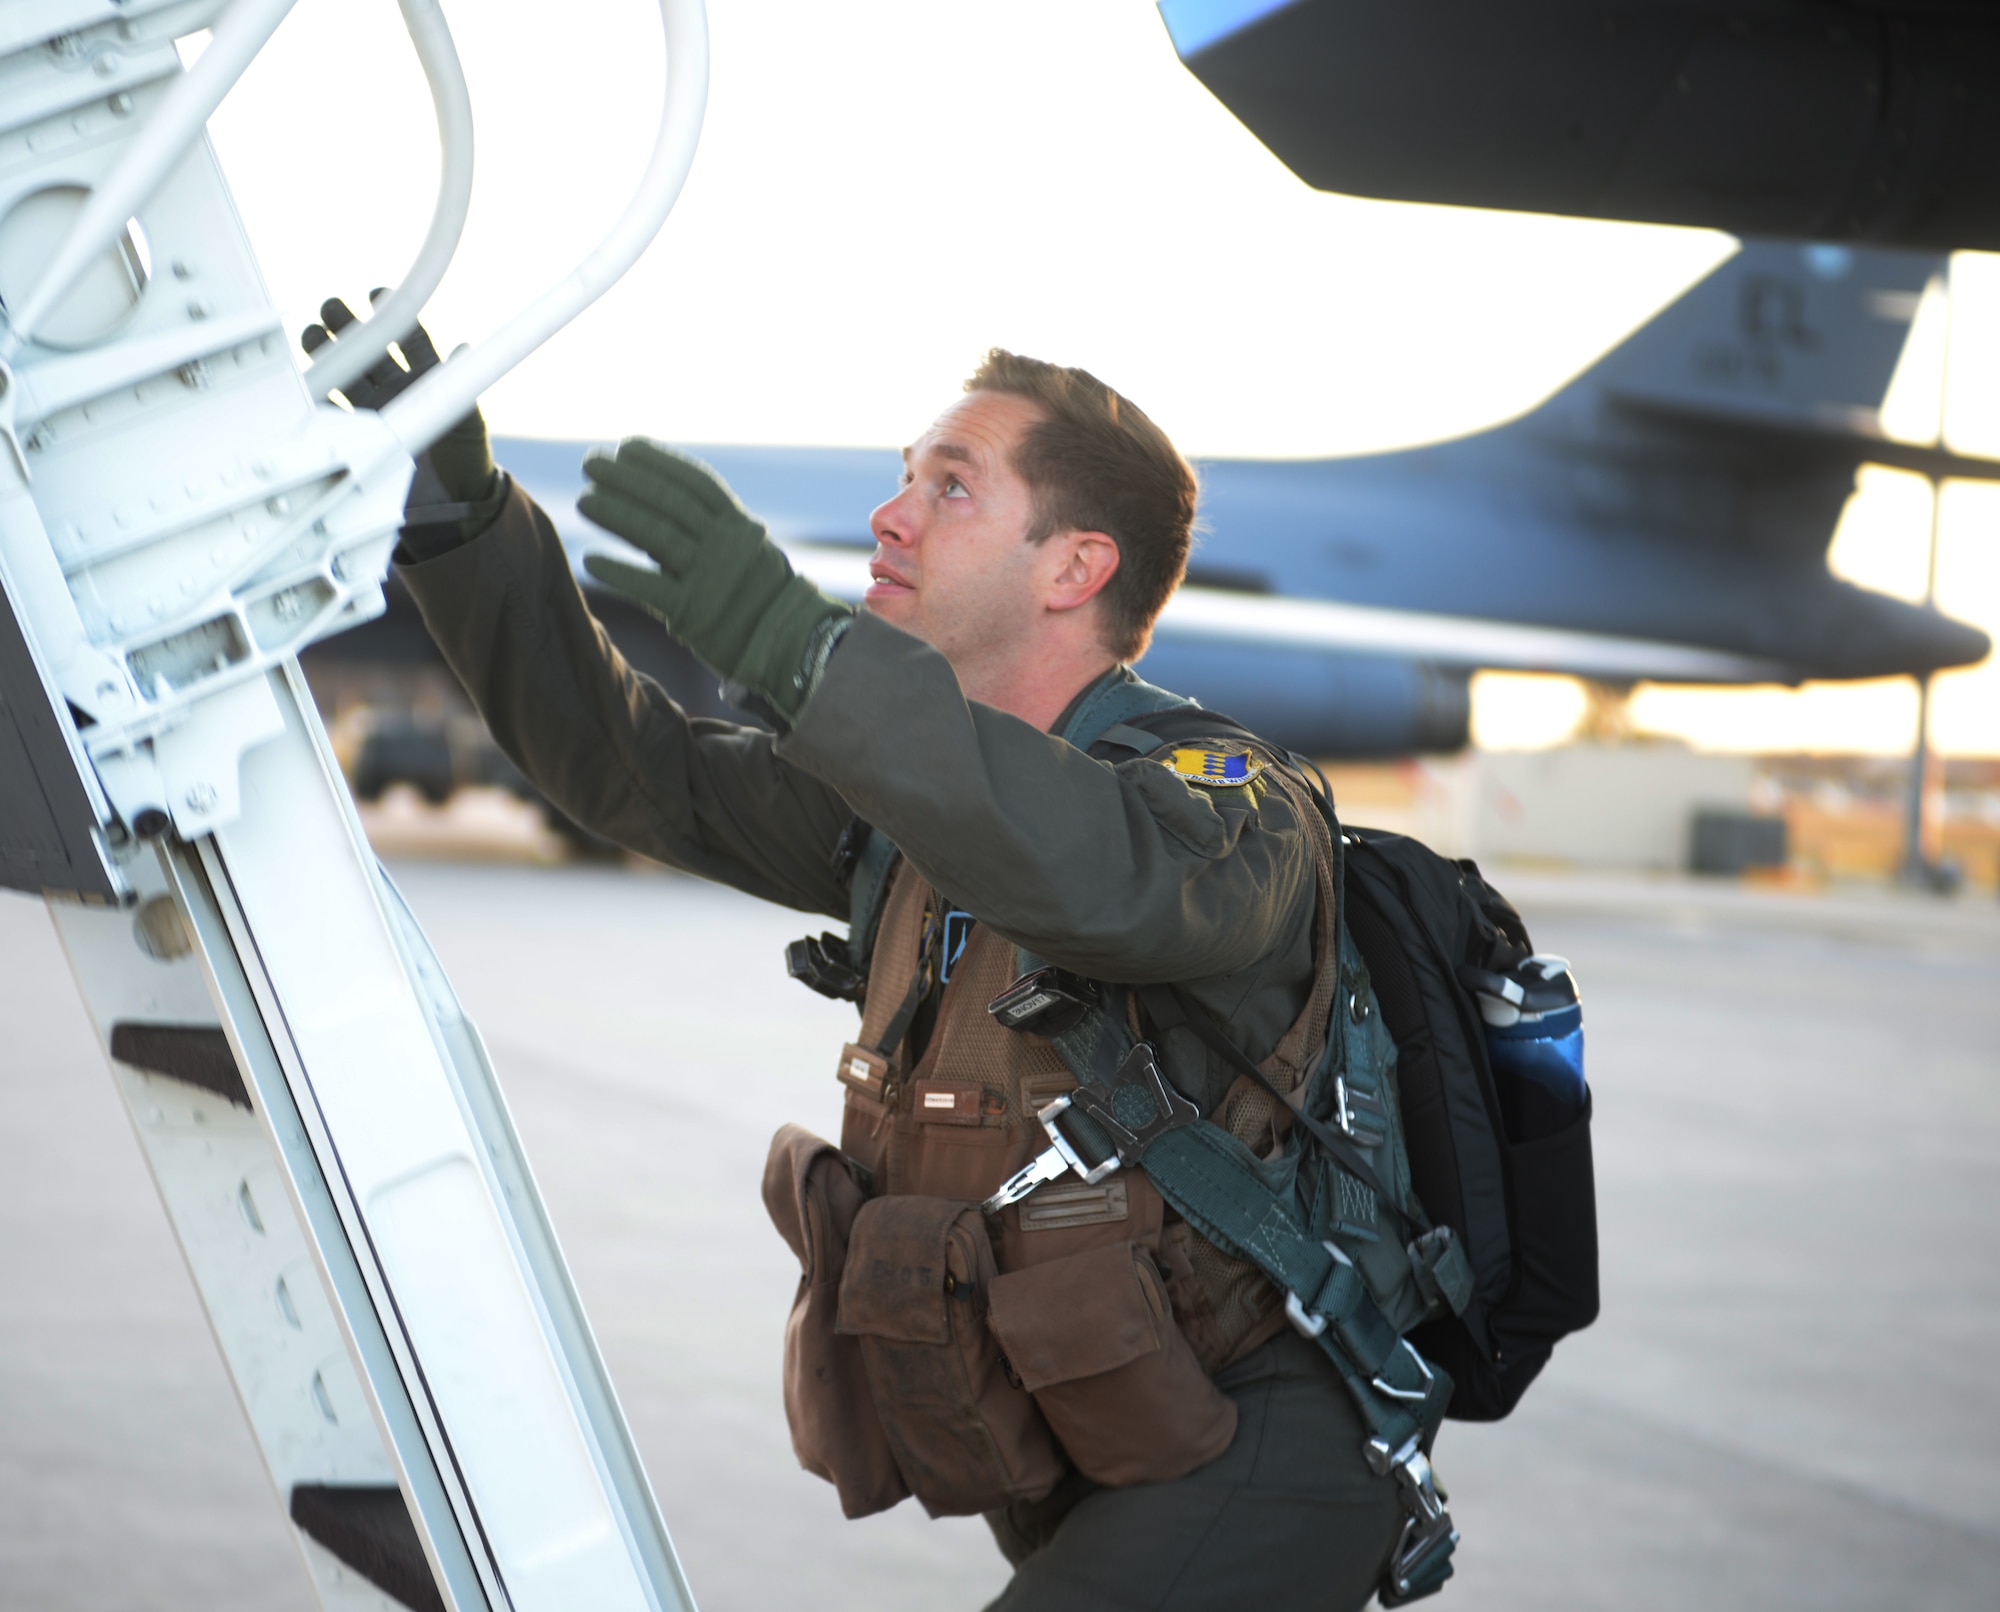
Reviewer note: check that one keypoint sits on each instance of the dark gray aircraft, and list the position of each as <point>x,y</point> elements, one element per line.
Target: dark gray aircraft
<point>1664,516</point>
<point>1833,120</point>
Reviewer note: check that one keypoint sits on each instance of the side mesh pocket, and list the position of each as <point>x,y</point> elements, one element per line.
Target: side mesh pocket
<point>813,1200</point>
<point>914,1296</point>
<point>1093,1337</point>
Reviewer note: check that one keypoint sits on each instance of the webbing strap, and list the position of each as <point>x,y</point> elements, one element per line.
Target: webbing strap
<point>1169,1009</point>
<point>1127,737</point>
<point>919,987</point>
<point>1120,695</point>
<point>1213,1181</point>
<point>1217,1185</point>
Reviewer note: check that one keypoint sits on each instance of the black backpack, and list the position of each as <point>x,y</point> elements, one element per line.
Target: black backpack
<point>1524,1210</point>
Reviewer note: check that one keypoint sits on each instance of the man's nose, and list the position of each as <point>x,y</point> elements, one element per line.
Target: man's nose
<point>891,523</point>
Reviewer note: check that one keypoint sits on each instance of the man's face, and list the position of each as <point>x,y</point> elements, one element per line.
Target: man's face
<point>952,561</point>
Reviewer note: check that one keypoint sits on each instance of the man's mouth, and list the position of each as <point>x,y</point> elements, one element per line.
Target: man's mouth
<point>885,582</point>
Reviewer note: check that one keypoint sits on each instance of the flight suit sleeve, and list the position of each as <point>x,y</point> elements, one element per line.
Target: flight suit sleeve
<point>1118,872</point>
<point>608,745</point>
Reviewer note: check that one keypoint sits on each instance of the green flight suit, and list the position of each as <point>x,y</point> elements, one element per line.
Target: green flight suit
<point>1117,872</point>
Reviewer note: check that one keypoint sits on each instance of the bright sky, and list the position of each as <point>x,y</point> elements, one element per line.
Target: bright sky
<point>886,189</point>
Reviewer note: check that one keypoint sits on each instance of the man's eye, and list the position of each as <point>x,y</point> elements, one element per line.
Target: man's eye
<point>954,488</point>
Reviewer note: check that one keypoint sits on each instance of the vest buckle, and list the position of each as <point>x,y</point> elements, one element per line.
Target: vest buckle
<point>1136,1106</point>
<point>1134,1109</point>
<point>1054,1162</point>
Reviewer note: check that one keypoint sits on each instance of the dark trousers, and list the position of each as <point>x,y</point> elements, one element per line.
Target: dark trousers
<point>1288,1518</point>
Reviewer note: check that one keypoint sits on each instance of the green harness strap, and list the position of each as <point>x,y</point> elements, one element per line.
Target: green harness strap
<point>1222,1189</point>
<point>1246,1207</point>
<point>1118,696</point>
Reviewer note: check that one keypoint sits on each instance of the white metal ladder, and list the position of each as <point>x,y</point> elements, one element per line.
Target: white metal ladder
<point>179,514</point>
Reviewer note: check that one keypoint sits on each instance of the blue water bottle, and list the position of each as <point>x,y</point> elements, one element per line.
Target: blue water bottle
<point>1534,1041</point>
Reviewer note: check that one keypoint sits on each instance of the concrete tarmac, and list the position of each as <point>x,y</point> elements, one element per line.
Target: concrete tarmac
<point>1791,1400</point>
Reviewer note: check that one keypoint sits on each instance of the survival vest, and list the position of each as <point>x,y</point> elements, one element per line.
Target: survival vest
<point>1393,1104</point>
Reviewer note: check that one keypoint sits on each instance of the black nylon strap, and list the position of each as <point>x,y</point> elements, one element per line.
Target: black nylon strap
<point>920,984</point>
<point>1169,1009</point>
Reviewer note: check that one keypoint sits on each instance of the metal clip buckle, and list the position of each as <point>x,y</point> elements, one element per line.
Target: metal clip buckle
<point>1309,1324</point>
<point>1051,1164</point>
<point>1427,1529</point>
<point>1138,1107</point>
<point>1409,1396</point>
<point>1048,1114</point>
<point>1348,1114</point>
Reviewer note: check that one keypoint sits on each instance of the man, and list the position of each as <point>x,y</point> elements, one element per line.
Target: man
<point>1041,524</point>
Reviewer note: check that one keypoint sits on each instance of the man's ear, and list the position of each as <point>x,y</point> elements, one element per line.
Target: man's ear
<point>1088,560</point>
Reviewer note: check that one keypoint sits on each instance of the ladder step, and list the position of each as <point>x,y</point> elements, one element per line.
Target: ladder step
<point>196,1054</point>
<point>368,1527</point>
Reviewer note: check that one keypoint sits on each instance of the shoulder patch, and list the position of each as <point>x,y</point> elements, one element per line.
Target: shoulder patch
<point>1215,769</point>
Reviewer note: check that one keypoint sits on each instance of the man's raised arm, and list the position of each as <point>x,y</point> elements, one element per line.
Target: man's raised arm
<point>605,743</point>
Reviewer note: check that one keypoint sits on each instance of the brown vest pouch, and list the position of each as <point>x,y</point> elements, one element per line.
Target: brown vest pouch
<point>812,1200</point>
<point>1093,1337</point>
<point>919,1278</point>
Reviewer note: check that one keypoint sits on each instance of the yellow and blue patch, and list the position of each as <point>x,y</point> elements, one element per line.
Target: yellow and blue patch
<point>1214,768</point>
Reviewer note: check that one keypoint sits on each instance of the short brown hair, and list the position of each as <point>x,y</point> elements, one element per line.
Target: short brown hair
<point>1095,463</point>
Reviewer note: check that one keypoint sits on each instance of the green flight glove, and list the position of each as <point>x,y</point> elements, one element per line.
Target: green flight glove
<point>723,587</point>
